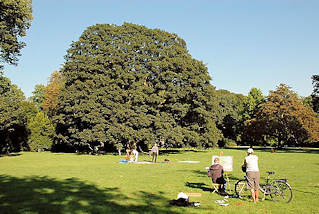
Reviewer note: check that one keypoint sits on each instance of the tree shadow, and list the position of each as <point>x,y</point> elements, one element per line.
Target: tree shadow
<point>177,151</point>
<point>48,195</point>
<point>201,186</point>
<point>231,177</point>
<point>201,173</point>
<point>305,192</point>
<point>10,155</point>
<point>298,150</point>
<point>280,150</point>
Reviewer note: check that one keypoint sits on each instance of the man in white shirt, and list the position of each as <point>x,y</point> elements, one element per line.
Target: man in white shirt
<point>252,173</point>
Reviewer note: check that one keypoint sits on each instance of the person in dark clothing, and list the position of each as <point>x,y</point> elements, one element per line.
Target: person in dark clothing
<point>216,172</point>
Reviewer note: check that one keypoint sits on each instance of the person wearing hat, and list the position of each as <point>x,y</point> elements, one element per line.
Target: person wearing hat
<point>252,173</point>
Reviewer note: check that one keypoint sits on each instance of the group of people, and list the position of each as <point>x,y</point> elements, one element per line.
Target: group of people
<point>132,154</point>
<point>216,172</point>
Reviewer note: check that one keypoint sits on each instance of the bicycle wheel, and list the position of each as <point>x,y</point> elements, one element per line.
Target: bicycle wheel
<point>281,191</point>
<point>241,190</point>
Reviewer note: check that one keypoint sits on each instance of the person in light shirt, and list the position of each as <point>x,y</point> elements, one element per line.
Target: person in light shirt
<point>252,173</point>
<point>154,152</point>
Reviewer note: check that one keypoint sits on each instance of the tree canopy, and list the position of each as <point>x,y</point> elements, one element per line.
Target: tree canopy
<point>229,110</point>
<point>251,103</point>
<point>15,19</point>
<point>285,118</point>
<point>38,96</point>
<point>12,117</point>
<point>52,90</point>
<point>130,83</point>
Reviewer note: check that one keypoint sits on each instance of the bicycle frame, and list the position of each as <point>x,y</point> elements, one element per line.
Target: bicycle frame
<point>278,189</point>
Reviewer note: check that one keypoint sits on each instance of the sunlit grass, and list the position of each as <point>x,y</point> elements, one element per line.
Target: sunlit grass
<point>70,183</point>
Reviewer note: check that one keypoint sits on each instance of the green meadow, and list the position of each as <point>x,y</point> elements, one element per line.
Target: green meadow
<point>70,183</point>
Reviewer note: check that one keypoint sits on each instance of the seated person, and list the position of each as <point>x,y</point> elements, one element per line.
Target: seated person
<point>216,173</point>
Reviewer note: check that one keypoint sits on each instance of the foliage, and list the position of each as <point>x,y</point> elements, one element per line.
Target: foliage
<point>315,93</point>
<point>226,142</point>
<point>29,110</point>
<point>251,103</point>
<point>38,96</point>
<point>284,118</point>
<point>307,101</point>
<point>15,19</point>
<point>12,116</point>
<point>130,83</point>
<point>228,113</point>
<point>41,132</point>
<point>52,90</point>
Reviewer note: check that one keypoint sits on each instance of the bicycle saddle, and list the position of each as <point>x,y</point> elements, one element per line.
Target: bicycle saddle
<point>270,172</point>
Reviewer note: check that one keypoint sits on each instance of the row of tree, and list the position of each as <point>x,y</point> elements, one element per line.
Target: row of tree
<point>282,118</point>
<point>128,83</point>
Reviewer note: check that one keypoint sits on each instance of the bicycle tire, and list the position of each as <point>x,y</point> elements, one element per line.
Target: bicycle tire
<point>241,190</point>
<point>281,191</point>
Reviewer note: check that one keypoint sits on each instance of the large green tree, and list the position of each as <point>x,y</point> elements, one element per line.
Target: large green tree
<point>130,83</point>
<point>12,117</point>
<point>284,118</point>
<point>15,19</point>
<point>229,113</point>
<point>251,105</point>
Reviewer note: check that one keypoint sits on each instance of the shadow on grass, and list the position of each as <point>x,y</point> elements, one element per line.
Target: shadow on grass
<point>205,188</point>
<point>10,155</point>
<point>202,173</point>
<point>201,186</point>
<point>315,192</point>
<point>280,150</point>
<point>177,151</point>
<point>47,195</point>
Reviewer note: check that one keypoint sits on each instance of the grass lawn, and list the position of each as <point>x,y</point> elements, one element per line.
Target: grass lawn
<point>70,183</point>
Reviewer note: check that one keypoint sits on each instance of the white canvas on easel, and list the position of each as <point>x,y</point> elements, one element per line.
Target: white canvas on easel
<point>225,161</point>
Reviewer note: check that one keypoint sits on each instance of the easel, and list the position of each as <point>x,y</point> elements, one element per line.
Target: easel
<point>227,163</point>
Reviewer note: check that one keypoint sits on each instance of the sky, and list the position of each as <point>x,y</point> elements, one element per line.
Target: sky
<point>243,43</point>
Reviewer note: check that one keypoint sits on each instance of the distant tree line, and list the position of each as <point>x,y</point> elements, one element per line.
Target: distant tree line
<point>122,84</point>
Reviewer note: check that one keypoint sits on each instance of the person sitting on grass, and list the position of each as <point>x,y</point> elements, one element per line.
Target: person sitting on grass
<point>216,172</point>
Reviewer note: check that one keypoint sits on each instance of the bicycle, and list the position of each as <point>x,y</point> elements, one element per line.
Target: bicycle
<point>278,189</point>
